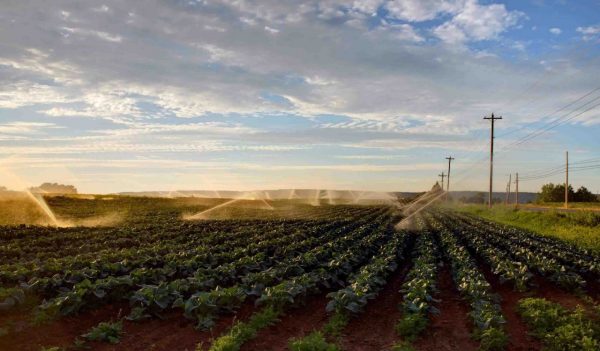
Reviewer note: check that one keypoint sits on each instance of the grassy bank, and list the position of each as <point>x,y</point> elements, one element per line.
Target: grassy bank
<point>581,228</point>
<point>572,205</point>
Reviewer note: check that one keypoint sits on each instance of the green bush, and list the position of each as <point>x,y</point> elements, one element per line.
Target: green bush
<point>492,339</point>
<point>244,331</point>
<point>561,329</point>
<point>106,331</point>
<point>411,325</point>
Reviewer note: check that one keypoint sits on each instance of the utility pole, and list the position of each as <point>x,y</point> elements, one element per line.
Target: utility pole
<point>492,119</point>
<point>443,176</point>
<point>567,181</point>
<point>449,158</point>
<point>508,190</point>
<point>509,183</point>
<point>517,190</point>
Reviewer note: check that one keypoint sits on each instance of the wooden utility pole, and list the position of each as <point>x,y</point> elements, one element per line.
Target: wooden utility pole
<point>506,201</point>
<point>443,176</point>
<point>517,190</point>
<point>449,158</point>
<point>492,119</point>
<point>509,181</point>
<point>567,181</point>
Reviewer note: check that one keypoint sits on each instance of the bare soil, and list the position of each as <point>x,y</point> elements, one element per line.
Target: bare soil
<point>296,323</point>
<point>173,332</point>
<point>25,337</point>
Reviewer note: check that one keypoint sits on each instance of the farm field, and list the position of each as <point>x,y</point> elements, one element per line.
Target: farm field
<point>285,275</point>
<point>579,227</point>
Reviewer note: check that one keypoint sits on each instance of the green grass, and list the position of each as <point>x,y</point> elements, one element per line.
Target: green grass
<point>577,205</point>
<point>581,228</point>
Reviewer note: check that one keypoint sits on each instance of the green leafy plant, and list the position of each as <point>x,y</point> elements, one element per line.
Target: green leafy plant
<point>313,342</point>
<point>106,331</point>
<point>244,331</point>
<point>418,289</point>
<point>559,328</point>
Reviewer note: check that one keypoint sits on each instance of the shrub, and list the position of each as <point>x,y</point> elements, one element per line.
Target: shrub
<point>106,331</point>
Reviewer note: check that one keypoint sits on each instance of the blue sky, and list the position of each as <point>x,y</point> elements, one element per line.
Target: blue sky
<point>366,94</point>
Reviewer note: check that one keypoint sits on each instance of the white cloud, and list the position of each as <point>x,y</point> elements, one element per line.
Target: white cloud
<point>67,31</point>
<point>25,128</point>
<point>555,31</point>
<point>271,30</point>
<point>589,32</point>
<point>476,22</point>
<point>367,6</point>
<point>450,33</point>
<point>102,8</point>
<point>22,93</point>
<point>402,32</point>
<point>422,10</point>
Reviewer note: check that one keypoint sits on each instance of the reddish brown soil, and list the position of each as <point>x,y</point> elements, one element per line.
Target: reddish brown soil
<point>62,332</point>
<point>374,329</point>
<point>552,292</point>
<point>593,288</point>
<point>518,333</point>
<point>296,323</point>
<point>174,332</point>
<point>451,329</point>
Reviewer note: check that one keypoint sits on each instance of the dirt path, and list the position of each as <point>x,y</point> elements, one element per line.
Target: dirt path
<point>374,329</point>
<point>297,322</point>
<point>451,329</point>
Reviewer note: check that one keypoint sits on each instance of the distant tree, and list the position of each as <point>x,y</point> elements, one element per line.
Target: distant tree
<point>3,188</point>
<point>584,195</point>
<point>54,188</point>
<point>556,193</point>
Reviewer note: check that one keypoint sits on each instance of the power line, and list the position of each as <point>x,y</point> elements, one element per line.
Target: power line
<point>556,111</point>
<point>571,169</point>
<point>553,124</point>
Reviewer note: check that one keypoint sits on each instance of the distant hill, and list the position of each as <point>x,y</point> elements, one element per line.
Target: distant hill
<point>498,196</point>
<point>314,194</point>
<point>276,194</point>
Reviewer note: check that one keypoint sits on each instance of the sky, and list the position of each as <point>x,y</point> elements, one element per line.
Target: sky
<point>235,94</point>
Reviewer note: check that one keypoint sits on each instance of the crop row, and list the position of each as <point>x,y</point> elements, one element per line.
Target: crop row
<point>60,242</point>
<point>419,288</point>
<point>202,249</point>
<point>249,275</point>
<point>530,257</point>
<point>485,311</point>
<point>580,260</point>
